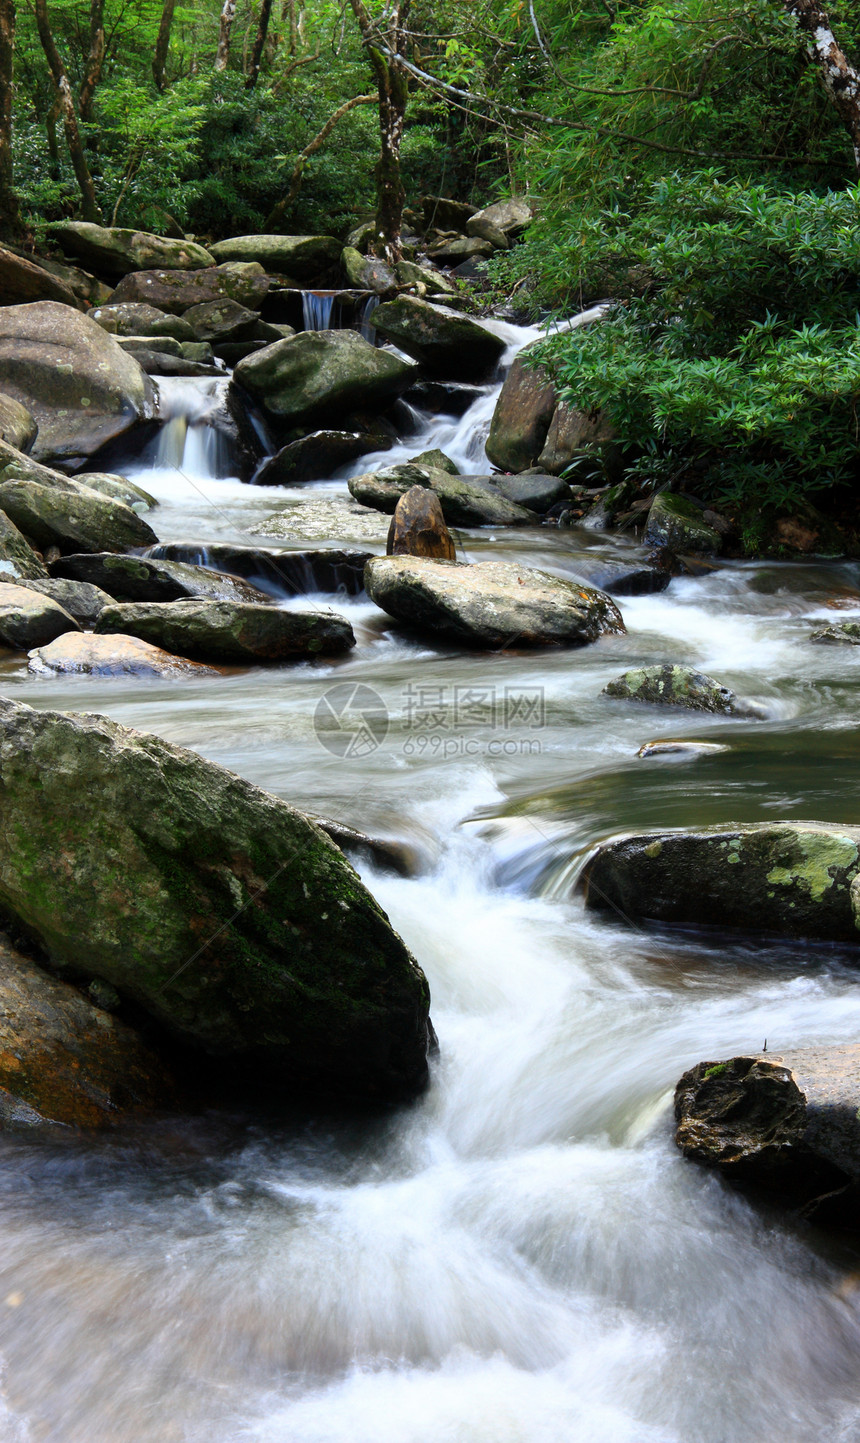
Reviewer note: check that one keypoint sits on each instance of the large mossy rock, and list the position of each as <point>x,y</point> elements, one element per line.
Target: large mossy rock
<point>785,1122</point>
<point>489,604</point>
<point>28,619</point>
<point>676,525</point>
<point>64,1060</point>
<point>522,417</point>
<point>115,250</point>
<point>18,560</point>
<point>673,685</point>
<point>81,600</point>
<point>55,510</point>
<point>465,500</point>
<point>790,879</point>
<point>17,427</point>
<point>305,258</point>
<point>135,318</point>
<point>367,273</point>
<point>223,320</point>
<point>81,389</point>
<point>84,654</point>
<point>227,632</point>
<point>143,578</point>
<point>318,376</point>
<point>218,909</point>
<point>508,216</point>
<point>22,282</point>
<point>177,291</point>
<point>446,343</point>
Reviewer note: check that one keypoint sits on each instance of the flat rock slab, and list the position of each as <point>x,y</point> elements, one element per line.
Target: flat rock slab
<point>491,604</point>
<point>143,578</point>
<point>83,654</point>
<point>28,619</point>
<point>787,1122</point>
<point>64,1060</point>
<point>217,909</point>
<point>672,685</point>
<point>787,879</point>
<point>228,633</point>
<point>116,250</point>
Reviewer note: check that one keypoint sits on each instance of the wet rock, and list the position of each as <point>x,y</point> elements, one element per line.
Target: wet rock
<point>132,318</point>
<point>178,291</point>
<point>625,580</point>
<point>305,258</point>
<point>367,273</point>
<point>508,216</point>
<point>84,654</point>
<point>227,632</point>
<point>465,500</point>
<point>118,488</point>
<point>199,351</point>
<point>784,1122</point>
<point>318,375</point>
<point>156,363</point>
<point>66,1060</point>
<point>279,573</point>
<point>157,345</point>
<point>315,457</point>
<point>222,320</point>
<point>17,427</point>
<point>81,600</point>
<point>232,920</point>
<point>490,604</point>
<point>400,858</point>
<point>446,343</point>
<point>410,274</point>
<point>676,525</point>
<point>418,527</point>
<point>537,493</point>
<point>143,578</point>
<point>54,510</point>
<point>437,460</point>
<point>790,879</point>
<point>668,747</point>
<point>445,214</point>
<point>28,619</point>
<point>521,420</point>
<point>844,633</point>
<point>81,389</point>
<point>115,250</point>
<point>671,685</point>
<point>23,282</point>
<point>18,560</point>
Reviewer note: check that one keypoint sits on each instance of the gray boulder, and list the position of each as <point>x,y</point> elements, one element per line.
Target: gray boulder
<point>366,273</point>
<point>790,879</point>
<point>456,251</point>
<point>633,579</point>
<point>81,389</point>
<point>508,216</point>
<point>222,320</point>
<point>482,229</point>
<point>118,488</point>
<point>465,500</point>
<point>143,578</point>
<point>490,604</point>
<point>671,685</point>
<point>676,525</point>
<point>582,444</point>
<point>315,457</point>
<point>228,632</point>
<point>81,600</point>
<point>136,318</point>
<point>535,492</point>
<point>28,619</point>
<point>317,376</point>
<point>446,214</point>
<point>521,419</point>
<point>437,459</point>
<point>410,274</point>
<point>18,560</point>
<point>446,343</point>
<point>178,291</point>
<point>304,258</point>
<point>143,345</point>
<point>233,921</point>
<point>54,510</point>
<point>23,282</point>
<point>17,427</point>
<point>114,250</point>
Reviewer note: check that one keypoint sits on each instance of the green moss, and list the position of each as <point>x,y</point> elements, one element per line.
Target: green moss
<point>818,854</point>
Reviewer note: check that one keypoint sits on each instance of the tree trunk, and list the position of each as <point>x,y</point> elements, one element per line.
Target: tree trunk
<point>228,15</point>
<point>89,206</point>
<point>841,79</point>
<point>162,45</point>
<point>51,132</point>
<point>94,63</point>
<point>392,82</point>
<point>259,44</point>
<point>10,214</point>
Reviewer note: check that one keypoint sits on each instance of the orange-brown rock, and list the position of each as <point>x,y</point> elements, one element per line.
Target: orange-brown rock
<point>418,527</point>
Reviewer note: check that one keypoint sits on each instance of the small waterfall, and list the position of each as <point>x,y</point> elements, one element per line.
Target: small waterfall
<point>364,327</point>
<point>188,441</point>
<point>170,444</point>
<point>319,311</point>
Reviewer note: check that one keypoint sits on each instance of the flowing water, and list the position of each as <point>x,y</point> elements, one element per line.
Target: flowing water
<point>522,1256</point>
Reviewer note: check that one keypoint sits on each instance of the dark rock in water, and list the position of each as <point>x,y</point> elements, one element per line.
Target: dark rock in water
<point>178,291</point>
<point>315,457</point>
<point>784,1122</point>
<point>114,250</point>
<point>448,398</point>
<point>145,578</point>
<point>305,258</point>
<point>792,879</point>
<point>227,632</point>
<point>465,500</point>
<point>418,527</point>
<point>522,417</point>
<point>81,389</point>
<point>388,856</point>
<point>17,427</point>
<point>435,459</point>
<point>670,685</point>
<point>28,619</point>
<point>278,573</point>
<point>620,580</point>
<point>81,600</point>
<point>446,343</point>
<point>845,633</point>
<point>677,525</point>
<point>62,1060</point>
<point>18,560</point>
<point>490,604</point>
<point>136,318</point>
<point>233,921</point>
<point>319,375</point>
<point>23,282</point>
<point>83,654</point>
<point>534,491</point>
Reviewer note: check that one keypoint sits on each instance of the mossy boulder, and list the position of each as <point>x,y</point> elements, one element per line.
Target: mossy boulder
<point>116,250</point>
<point>789,879</point>
<point>318,376</point>
<point>437,459</point>
<point>489,604</point>
<point>54,510</point>
<point>445,342</point>
<point>130,318</point>
<point>28,619</point>
<point>676,524</point>
<point>217,909</point>
<point>178,291</point>
<point>465,500</point>
<point>143,578</point>
<point>305,258</point>
<point>222,320</point>
<point>844,633</point>
<point>80,387</point>
<point>18,560</point>
<point>672,685</point>
<point>367,273</point>
<point>230,633</point>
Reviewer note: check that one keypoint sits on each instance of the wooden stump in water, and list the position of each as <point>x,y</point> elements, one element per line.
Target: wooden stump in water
<point>418,527</point>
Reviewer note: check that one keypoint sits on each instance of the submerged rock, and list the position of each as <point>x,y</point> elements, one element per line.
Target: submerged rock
<point>79,386</point>
<point>668,747</point>
<point>418,527</point>
<point>143,578</point>
<point>446,343</point>
<point>633,579</point>
<point>82,653</point>
<point>229,633</point>
<point>791,879</point>
<point>318,376</point>
<point>279,573</point>
<point>844,633</point>
<point>115,250</point>
<point>217,909</point>
<point>671,685</point>
<point>28,619</point>
<point>490,604</point>
<point>786,1122</point>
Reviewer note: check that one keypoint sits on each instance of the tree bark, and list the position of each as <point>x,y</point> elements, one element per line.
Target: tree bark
<point>841,79</point>
<point>259,44</point>
<point>10,214</point>
<point>392,83</point>
<point>162,45</point>
<point>228,15</point>
<point>279,211</point>
<point>94,62</point>
<point>89,204</point>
